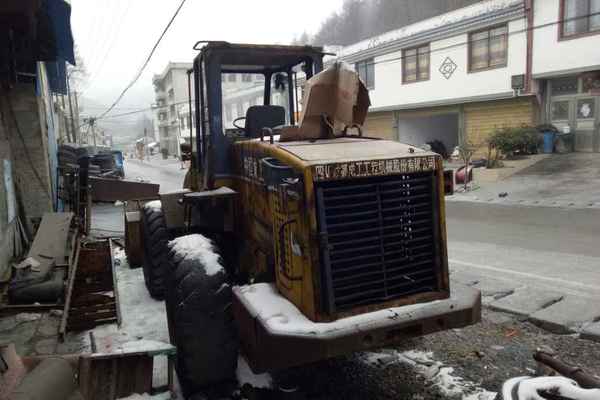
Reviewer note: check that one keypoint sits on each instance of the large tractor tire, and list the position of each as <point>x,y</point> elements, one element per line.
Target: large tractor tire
<point>156,250</point>
<point>201,325</point>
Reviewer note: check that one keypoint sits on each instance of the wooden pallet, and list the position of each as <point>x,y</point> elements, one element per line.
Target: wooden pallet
<point>92,296</point>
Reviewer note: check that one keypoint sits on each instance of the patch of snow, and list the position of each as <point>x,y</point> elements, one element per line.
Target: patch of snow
<point>435,372</point>
<point>146,396</point>
<point>154,205</point>
<point>27,317</point>
<point>144,345</point>
<point>281,315</point>
<point>198,247</point>
<point>245,375</point>
<point>558,385</point>
<point>451,17</point>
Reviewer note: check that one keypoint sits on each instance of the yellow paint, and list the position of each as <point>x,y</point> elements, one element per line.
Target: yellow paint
<point>260,213</point>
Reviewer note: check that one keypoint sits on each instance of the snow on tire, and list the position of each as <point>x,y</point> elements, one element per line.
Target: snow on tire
<point>200,319</point>
<point>156,250</point>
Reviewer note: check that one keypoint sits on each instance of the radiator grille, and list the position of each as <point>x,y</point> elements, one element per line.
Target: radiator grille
<point>379,239</point>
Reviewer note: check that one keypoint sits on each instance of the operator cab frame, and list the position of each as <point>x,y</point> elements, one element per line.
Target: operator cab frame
<point>218,58</point>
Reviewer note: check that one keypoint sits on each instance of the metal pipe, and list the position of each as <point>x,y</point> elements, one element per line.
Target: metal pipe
<point>189,72</point>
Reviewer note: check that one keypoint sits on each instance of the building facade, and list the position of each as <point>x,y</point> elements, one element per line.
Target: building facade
<point>459,76</point>
<point>29,124</point>
<point>171,91</point>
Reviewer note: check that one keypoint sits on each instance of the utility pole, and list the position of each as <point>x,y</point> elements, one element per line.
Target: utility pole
<point>92,123</point>
<point>64,111</point>
<point>77,133</point>
<point>146,144</point>
<point>71,111</point>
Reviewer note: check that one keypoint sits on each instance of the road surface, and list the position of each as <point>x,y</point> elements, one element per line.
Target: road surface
<point>167,173</point>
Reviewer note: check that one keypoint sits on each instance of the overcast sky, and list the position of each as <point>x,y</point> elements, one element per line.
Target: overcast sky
<point>115,36</point>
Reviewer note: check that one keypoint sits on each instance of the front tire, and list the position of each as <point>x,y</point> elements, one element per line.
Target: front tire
<point>201,324</point>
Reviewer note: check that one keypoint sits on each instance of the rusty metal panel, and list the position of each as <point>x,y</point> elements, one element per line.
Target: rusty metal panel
<point>173,209</point>
<point>111,190</point>
<point>133,233</point>
<point>270,349</point>
<point>92,294</point>
<point>115,377</point>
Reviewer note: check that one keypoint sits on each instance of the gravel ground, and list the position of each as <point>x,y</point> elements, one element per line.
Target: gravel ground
<point>481,356</point>
<point>501,346</point>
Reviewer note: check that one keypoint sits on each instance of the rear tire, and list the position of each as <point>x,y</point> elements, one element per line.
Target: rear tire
<point>201,325</point>
<point>156,251</point>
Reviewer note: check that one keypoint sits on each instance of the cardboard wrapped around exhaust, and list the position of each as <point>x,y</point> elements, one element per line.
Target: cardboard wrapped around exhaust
<point>334,99</point>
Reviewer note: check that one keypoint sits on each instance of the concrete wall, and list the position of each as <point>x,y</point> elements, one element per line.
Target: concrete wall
<point>5,154</point>
<point>390,91</point>
<point>29,151</point>
<point>554,56</point>
<point>481,119</point>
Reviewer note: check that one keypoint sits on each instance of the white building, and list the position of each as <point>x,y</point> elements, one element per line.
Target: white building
<point>172,102</point>
<point>171,91</point>
<point>497,63</point>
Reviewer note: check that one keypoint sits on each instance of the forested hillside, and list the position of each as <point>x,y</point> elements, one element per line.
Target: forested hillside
<point>361,19</point>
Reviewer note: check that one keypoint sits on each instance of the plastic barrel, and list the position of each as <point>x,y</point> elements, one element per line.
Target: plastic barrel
<point>549,142</point>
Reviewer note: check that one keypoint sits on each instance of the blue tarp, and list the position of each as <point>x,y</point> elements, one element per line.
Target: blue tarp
<point>59,12</point>
<point>57,76</point>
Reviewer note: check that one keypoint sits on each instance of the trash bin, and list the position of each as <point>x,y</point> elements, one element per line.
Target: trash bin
<point>549,141</point>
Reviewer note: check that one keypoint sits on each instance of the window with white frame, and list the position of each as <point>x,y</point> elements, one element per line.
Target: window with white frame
<point>366,71</point>
<point>415,64</point>
<point>488,48</point>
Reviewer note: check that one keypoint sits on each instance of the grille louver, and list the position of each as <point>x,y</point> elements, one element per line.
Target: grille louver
<point>379,239</point>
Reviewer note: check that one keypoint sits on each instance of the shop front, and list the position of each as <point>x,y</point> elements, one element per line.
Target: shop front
<point>574,108</point>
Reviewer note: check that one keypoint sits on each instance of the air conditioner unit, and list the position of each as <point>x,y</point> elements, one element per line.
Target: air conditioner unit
<point>517,82</point>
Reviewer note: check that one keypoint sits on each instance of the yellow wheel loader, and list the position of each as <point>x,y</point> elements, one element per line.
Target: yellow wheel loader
<point>298,238</point>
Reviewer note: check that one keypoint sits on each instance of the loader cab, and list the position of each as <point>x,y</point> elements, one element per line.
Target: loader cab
<point>240,89</point>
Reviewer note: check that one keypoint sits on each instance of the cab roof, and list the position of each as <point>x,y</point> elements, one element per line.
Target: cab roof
<point>258,58</point>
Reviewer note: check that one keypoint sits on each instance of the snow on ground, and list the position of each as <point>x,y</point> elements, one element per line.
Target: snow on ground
<point>199,247</point>
<point>145,396</point>
<point>245,375</point>
<point>154,205</point>
<point>144,321</point>
<point>434,371</point>
<point>558,385</point>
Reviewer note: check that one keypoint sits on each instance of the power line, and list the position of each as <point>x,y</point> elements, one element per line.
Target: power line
<point>111,42</point>
<point>146,62</point>
<point>396,59</point>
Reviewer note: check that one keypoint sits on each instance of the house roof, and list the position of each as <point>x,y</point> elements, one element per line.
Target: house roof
<point>446,25</point>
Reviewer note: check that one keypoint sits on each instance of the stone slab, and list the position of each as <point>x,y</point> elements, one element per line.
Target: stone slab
<point>568,315</point>
<point>591,332</point>
<point>526,301</point>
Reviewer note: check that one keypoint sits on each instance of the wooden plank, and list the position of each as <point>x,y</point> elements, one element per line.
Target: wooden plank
<point>85,325</point>
<point>10,309</point>
<point>112,189</point>
<point>93,307</point>
<point>63,322</point>
<point>75,319</point>
<point>115,283</point>
<point>51,238</point>
<point>135,376</point>
<point>91,299</point>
